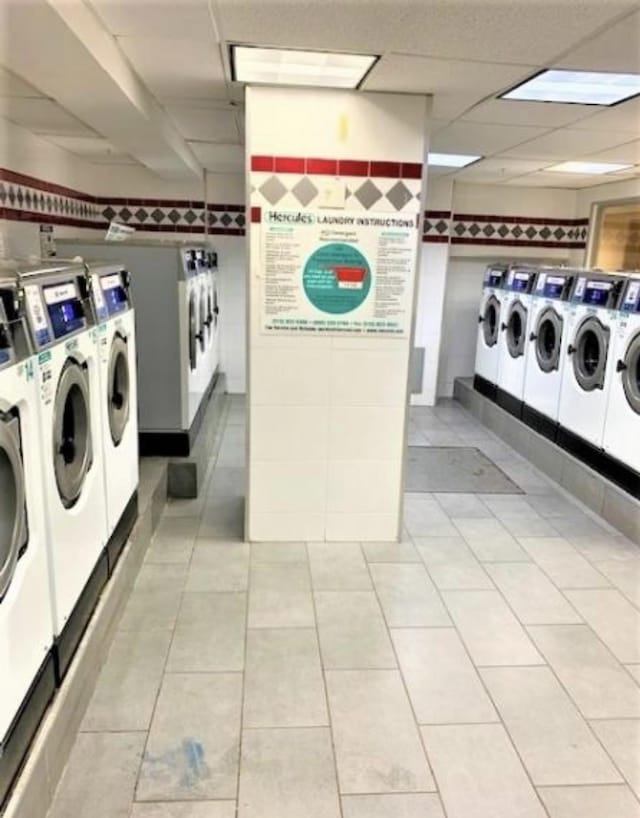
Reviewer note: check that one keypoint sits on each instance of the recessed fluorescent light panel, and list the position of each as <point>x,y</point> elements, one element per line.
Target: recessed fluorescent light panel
<point>580,87</point>
<point>451,160</point>
<point>588,167</point>
<point>284,66</point>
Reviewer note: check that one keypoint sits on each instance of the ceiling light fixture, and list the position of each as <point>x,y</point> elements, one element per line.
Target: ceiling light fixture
<point>451,160</point>
<point>578,87</point>
<point>597,168</point>
<point>286,66</point>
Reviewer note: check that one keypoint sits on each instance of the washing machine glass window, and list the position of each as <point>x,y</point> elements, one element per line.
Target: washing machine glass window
<point>119,389</point>
<point>491,320</point>
<point>209,314</point>
<point>590,354</point>
<point>515,330</point>
<point>72,453</point>
<point>193,333</point>
<point>631,374</point>
<point>12,524</point>
<point>548,338</point>
<point>202,321</point>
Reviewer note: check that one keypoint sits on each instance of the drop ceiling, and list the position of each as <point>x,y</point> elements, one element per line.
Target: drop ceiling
<point>464,53</point>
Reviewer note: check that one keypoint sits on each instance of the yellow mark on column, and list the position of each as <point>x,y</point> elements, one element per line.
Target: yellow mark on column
<point>343,128</point>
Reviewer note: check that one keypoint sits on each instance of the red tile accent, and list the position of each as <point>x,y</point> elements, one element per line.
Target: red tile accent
<point>435,239</point>
<point>411,170</point>
<point>46,218</point>
<point>437,214</point>
<point>573,245</point>
<point>219,208</point>
<point>389,170</point>
<point>353,167</point>
<point>262,163</point>
<point>256,215</point>
<point>7,175</point>
<point>328,167</point>
<point>289,164</point>
<point>474,217</point>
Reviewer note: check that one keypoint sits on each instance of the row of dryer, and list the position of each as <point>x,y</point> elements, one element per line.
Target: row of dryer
<point>560,348</point>
<point>68,473</point>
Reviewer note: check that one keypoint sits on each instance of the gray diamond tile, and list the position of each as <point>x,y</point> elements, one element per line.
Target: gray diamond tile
<point>305,191</point>
<point>367,194</point>
<point>273,190</point>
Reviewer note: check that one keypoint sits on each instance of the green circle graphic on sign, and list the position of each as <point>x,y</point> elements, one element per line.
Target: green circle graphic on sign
<point>336,278</point>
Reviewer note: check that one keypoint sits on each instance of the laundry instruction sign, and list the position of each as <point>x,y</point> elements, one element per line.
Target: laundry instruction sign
<point>337,272</point>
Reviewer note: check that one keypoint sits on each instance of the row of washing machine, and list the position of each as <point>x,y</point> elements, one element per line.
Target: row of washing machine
<point>68,473</point>
<point>560,348</point>
<point>175,290</point>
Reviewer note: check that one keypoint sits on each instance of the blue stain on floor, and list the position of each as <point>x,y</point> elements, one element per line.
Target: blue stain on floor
<point>186,762</point>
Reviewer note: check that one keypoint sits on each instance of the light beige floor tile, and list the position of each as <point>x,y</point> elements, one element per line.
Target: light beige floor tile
<point>562,563</point>
<point>278,552</point>
<point>209,633</point>
<point>443,685</point>
<point>613,618</point>
<point>218,568</point>
<point>479,774</point>
<point>552,738</point>
<point>390,552</point>
<point>452,564</point>
<point>424,517</point>
<point>375,753</point>
<point>281,609</point>
<point>597,683</point>
<point>279,576</point>
<point>634,670</point>
<point>168,577</point>
<point>408,596</point>
<point>283,680</point>
<point>490,631</point>
<point>193,745</point>
<point>625,576</point>
<point>409,805</point>
<point>170,551</point>
<point>490,541</point>
<point>530,526</point>
<point>288,774</point>
<point>599,546</point>
<point>185,809</point>
<point>150,610</point>
<point>531,595</point>
<point>622,741</point>
<point>338,566</point>
<point>128,684</point>
<point>352,630</point>
<point>100,776</point>
<point>463,505</point>
<point>590,802</point>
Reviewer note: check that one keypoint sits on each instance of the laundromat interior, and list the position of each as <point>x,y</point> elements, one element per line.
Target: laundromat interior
<point>319,409</point>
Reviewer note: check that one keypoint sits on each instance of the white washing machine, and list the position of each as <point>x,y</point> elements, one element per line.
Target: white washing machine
<point>67,376</point>
<point>192,331</point>
<point>591,326</point>
<point>213,312</point>
<point>622,425</point>
<point>205,317</point>
<point>547,342</point>
<point>109,285</point>
<point>513,349</point>
<point>486,369</point>
<point>27,679</point>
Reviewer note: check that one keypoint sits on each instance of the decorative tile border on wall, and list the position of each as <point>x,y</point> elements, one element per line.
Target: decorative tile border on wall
<point>25,198</point>
<point>442,226</point>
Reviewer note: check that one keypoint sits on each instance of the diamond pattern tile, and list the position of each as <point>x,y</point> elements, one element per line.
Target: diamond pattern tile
<point>273,190</point>
<point>368,194</point>
<point>399,195</point>
<point>305,191</point>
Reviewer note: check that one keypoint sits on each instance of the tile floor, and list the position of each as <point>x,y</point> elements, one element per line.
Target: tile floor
<point>486,667</point>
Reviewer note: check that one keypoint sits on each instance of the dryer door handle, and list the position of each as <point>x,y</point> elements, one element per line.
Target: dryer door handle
<point>621,366</point>
<point>570,349</point>
<point>533,337</point>
<point>503,326</point>
<point>480,319</point>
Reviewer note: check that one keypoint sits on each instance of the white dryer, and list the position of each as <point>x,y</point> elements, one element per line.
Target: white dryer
<point>622,425</point>
<point>27,680</point>
<point>591,326</point>
<point>111,297</point>
<point>486,368</point>
<point>67,376</point>
<point>547,343</point>
<point>513,349</point>
<point>192,332</point>
<point>213,312</point>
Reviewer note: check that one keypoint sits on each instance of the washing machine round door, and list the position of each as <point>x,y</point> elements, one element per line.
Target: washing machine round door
<point>515,328</point>
<point>193,332</point>
<point>12,507</point>
<point>119,388</point>
<point>72,452</point>
<point>548,340</point>
<point>589,350</point>
<point>630,369</point>
<point>491,321</point>
<point>202,321</point>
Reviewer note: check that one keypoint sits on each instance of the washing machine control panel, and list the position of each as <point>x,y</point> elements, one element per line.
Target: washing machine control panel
<point>596,292</point>
<point>521,281</point>
<point>37,316</point>
<point>631,298</point>
<point>114,292</point>
<point>553,286</point>
<point>6,344</point>
<point>65,307</point>
<point>494,276</point>
<point>189,263</point>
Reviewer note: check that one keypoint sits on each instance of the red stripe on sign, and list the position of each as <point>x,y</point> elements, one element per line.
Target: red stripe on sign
<point>389,170</point>
<point>353,167</point>
<point>262,163</point>
<point>256,215</point>
<point>411,170</point>
<point>289,164</point>
<point>327,167</point>
<point>435,239</point>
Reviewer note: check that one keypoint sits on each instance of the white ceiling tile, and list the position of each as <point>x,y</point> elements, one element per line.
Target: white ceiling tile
<point>176,67</point>
<point>502,31</point>
<point>222,158</point>
<point>205,125</point>
<point>157,18</point>
<point>624,117</point>
<point>498,170</point>
<point>90,147</point>
<point>573,181</point>
<point>566,143</point>
<point>517,112</point>
<point>13,86</point>
<point>616,49</point>
<point>629,153</point>
<point>482,139</point>
<point>42,116</point>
